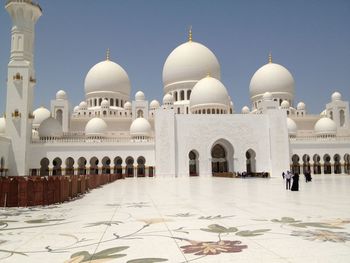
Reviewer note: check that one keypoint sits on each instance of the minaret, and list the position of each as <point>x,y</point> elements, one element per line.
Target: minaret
<point>21,82</point>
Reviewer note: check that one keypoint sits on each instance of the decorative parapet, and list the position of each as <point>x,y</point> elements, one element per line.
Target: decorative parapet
<point>314,138</point>
<point>66,140</point>
<point>24,1</point>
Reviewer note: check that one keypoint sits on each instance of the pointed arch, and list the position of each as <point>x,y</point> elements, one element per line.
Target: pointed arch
<point>295,164</point>
<point>250,161</point>
<point>193,156</point>
<point>94,165</point>
<point>106,168</point>
<point>221,153</point>
<point>129,166</point>
<point>44,167</point>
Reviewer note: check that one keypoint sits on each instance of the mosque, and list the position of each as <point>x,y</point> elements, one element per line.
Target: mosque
<point>194,131</point>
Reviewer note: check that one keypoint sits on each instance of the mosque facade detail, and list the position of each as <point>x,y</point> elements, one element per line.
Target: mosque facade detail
<point>195,130</point>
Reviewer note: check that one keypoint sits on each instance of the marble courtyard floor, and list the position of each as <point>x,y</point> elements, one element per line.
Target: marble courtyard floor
<point>149,220</point>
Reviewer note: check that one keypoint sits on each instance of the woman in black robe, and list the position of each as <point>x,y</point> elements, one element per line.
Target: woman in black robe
<point>295,185</point>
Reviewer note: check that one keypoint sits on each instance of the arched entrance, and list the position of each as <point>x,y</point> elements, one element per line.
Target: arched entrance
<point>82,166</point>
<point>129,166</point>
<point>250,161</point>
<point>295,164</point>
<point>337,164</point>
<point>317,164</point>
<point>306,164</point>
<point>327,169</point>
<point>219,159</point>
<point>94,165</point>
<point>118,169</point>
<point>106,168</point>
<point>44,167</point>
<point>193,163</point>
<point>141,166</point>
<point>69,166</point>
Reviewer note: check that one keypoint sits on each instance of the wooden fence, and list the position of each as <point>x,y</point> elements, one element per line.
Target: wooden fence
<point>25,191</point>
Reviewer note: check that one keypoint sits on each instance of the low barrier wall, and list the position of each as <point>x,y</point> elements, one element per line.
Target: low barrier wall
<point>25,191</point>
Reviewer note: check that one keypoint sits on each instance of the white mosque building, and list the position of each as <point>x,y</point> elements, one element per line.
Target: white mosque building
<point>195,130</point>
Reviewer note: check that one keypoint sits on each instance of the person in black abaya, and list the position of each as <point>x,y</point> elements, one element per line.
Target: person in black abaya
<point>295,184</point>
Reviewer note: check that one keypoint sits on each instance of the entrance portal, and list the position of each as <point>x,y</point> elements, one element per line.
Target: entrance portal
<point>219,161</point>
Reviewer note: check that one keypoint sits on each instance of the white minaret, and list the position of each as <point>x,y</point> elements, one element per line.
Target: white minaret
<point>21,82</point>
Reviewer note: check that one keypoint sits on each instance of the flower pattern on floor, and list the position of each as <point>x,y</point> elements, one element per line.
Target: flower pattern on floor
<point>213,248</point>
<point>323,235</point>
<point>140,228</point>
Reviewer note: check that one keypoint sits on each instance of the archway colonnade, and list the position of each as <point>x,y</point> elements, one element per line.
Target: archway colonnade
<point>132,167</point>
<point>320,164</point>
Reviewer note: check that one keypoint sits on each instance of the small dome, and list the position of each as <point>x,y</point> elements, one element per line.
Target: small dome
<point>273,78</point>
<point>96,127</point>
<point>336,96</point>
<point>292,127</point>
<point>40,115</point>
<point>107,76</point>
<point>209,92</point>
<point>105,104</point>
<point>245,110</point>
<point>189,62</point>
<point>285,104</point>
<point>325,126</point>
<point>140,127</point>
<point>140,96</point>
<point>267,96</point>
<point>61,95</point>
<point>83,105</point>
<point>50,128</point>
<point>2,125</point>
<point>168,99</point>
<point>301,106</point>
<point>127,105</point>
<point>154,104</point>
<point>76,108</point>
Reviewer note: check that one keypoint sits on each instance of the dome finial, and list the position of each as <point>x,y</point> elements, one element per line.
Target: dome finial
<point>107,55</point>
<point>190,34</point>
<point>270,57</point>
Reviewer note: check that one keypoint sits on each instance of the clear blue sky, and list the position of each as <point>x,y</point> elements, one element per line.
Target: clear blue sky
<point>309,37</point>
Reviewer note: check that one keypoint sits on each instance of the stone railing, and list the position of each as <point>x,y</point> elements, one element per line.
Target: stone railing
<point>79,139</point>
<point>314,138</point>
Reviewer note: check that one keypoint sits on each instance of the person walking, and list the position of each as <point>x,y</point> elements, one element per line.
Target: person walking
<point>295,185</point>
<point>288,177</point>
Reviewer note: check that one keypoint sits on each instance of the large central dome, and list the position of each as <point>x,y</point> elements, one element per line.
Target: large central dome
<point>109,77</point>
<point>189,62</point>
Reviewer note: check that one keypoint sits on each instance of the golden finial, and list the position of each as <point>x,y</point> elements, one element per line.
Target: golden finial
<point>107,56</point>
<point>270,57</point>
<point>208,74</point>
<point>190,34</point>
